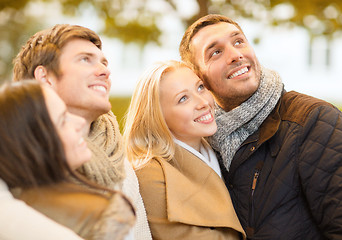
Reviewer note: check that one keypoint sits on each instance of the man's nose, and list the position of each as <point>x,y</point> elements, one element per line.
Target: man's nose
<point>233,54</point>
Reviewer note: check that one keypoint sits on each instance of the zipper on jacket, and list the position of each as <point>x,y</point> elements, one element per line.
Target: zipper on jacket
<point>254,184</point>
<point>257,170</point>
<point>255,179</point>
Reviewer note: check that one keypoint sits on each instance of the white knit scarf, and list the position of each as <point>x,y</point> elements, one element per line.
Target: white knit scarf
<point>235,126</point>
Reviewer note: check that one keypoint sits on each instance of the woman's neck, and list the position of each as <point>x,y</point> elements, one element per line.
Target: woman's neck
<point>195,144</point>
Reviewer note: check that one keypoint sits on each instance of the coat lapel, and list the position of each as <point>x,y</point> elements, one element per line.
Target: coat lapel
<point>195,194</point>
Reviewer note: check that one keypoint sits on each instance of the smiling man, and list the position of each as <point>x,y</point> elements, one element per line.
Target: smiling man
<point>83,80</point>
<point>69,59</point>
<point>281,154</point>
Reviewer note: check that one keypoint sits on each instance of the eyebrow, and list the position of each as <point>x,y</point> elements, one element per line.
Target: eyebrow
<point>103,59</point>
<point>199,81</point>
<point>213,44</point>
<point>180,93</point>
<point>184,91</point>
<point>235,33</point>
<point>85,53</point>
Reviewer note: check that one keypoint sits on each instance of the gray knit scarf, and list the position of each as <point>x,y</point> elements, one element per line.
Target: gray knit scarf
<point>106,166</point>
<point>235,126</point>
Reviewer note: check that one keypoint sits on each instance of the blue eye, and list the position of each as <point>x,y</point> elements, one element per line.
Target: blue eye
<point>183,99</point>
<point>201,87</point>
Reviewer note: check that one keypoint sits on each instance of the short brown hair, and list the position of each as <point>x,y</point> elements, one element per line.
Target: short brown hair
<point>184,47</point>
<point>44,49</point>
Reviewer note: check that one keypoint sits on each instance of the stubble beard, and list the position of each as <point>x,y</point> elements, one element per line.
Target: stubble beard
<point>227,102</point>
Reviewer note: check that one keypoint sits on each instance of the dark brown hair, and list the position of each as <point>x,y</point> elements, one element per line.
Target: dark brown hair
<point>31,153</point>
<point>185,46</point>
<point>44,48</point>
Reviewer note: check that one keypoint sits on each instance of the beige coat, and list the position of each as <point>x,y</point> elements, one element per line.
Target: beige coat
<point>186,199</point>
<point>91,215</point>
<point>19,221</point>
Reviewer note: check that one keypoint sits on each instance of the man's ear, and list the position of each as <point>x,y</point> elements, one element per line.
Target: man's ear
<point>41,75</point>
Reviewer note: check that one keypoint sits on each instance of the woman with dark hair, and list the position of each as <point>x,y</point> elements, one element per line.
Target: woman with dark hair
<point>41,145</point>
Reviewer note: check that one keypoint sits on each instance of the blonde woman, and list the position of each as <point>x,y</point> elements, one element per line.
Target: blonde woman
<point>179,175</point>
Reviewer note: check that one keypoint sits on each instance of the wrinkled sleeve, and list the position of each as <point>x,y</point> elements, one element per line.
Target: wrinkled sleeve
<point>19,221</point>
<point>320,168</point>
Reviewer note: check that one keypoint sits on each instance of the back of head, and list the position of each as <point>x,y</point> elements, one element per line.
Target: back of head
<point>185,46</point>
<point>146,133</point>
<point>31,153</point>
<point>44,48</point>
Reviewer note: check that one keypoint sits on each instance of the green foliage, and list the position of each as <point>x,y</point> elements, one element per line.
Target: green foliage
<point>317,16</point>
<point>17,4</point>
<point>132,32</point>
<point>15,29</point>
<point>119,108</point>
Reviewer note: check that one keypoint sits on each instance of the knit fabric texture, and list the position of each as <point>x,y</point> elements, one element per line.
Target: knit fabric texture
<point>235,126</point>
<point>130,188</point>
<point>106,166</point>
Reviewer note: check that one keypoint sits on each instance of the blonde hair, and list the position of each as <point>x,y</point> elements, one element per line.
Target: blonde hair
<point>146,134</point>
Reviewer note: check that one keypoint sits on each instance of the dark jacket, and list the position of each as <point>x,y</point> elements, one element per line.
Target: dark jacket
<point>294,164</point>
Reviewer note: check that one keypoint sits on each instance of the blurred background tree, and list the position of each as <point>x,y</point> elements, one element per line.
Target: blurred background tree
<point>137,21</point>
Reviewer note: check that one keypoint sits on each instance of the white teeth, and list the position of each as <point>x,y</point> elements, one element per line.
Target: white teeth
<point>241,71</point>
<point>204,118</point>
<point>99,88</point>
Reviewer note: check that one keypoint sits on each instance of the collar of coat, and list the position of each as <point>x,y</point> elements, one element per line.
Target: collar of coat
<point>195,194</point>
